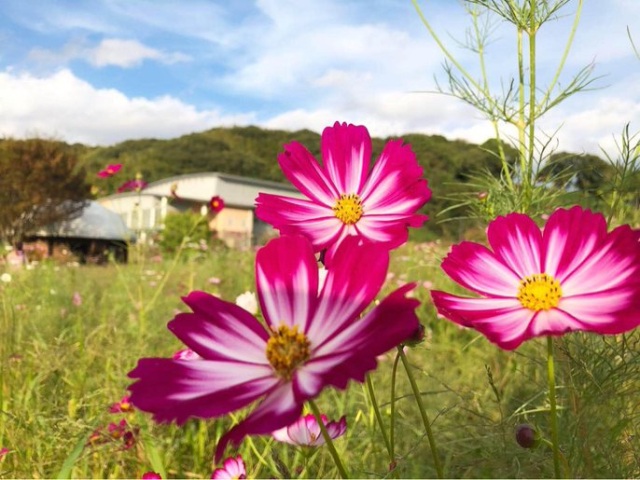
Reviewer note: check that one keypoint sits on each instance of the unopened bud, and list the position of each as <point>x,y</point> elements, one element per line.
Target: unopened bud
<point>527,436</point>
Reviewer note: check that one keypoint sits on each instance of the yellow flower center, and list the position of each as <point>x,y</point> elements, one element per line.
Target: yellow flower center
<point>348,208</point>
<point>286,349</point>
<point>539,292</point>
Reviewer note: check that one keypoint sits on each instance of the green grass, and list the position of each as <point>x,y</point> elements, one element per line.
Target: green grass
<point>63,365</point>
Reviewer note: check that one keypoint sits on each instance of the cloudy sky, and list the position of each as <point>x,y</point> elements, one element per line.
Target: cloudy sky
<point>105,71</point>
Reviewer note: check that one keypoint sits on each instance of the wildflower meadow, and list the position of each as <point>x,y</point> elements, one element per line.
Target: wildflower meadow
<point>344,347</point>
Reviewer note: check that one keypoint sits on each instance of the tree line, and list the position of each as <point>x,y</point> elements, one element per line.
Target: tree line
<point>43,180</point>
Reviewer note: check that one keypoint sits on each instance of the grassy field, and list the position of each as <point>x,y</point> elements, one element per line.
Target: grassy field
<point>71,334</point>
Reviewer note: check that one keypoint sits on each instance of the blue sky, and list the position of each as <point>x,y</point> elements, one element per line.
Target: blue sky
<point>105,71</point>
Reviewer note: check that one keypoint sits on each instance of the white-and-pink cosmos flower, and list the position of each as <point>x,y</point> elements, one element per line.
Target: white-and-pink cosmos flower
<point>312,339</point>
<point>305,432</point>
<point>345,197</point>
<point>233,468</point>
<point>570,275</point>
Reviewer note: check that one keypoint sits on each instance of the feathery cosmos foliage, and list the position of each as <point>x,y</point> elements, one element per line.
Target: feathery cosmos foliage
<point>570,275</point>
<point>344,197</point>
<point>314,337</point>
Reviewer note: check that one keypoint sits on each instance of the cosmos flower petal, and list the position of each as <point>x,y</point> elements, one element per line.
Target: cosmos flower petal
<point>344,294</point>
<point>304,172</point>
<point>614,263</point>
<point>554,322</point>
<point>608,312</point>
<point>346,152</point>
<point>564,250</point>
<point>516,240</point>
<point>351,352</point>
<point>502,320</point>
<point>179,389</point>
<point>295,216</point>
<point>306,432</point>
<point>287,284</point>
<point>232,468</point>
<point>278,409</point>
<point>476,267</point>
<point>219,330</point>
<point>396,183</point>
<point>391,233</point>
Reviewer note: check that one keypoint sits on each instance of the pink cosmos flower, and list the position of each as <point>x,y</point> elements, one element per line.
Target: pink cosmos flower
<point>312,339</point>
<point>232,469</point>
<point>344,196</point>
<point>110,170</point>
<point>3,452</point>
<point>305,431</point>
<point>132,186</point>
<point>216,204</point>
<point>123,406</point>
<point>151,476</point>
<point>570,275</point>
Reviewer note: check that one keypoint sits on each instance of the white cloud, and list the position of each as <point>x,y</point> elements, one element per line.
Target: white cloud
<point>128,53</point>
<point>109,52</point>
<point>66,107</point>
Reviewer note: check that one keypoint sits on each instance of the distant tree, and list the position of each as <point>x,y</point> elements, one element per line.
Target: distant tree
<point>40,184</point>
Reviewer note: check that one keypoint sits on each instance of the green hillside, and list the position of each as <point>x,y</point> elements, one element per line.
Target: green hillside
<point>449,165</point>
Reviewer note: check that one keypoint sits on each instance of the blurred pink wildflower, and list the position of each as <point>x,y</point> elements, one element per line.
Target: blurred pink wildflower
<point>216,204</point>
<point>151,476</point>
<point>313,339</point>
<point>232,469</point>
<point>132,186</point>
<point>305,431</point>
<point>344,196</point>
<point>110,170</point>
<point>76,299</point>
<point>570,275</point>
<point>3,452</point>
<point>123,406</point>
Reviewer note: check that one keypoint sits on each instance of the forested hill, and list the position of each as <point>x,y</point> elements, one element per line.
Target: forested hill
<point>252,152</point>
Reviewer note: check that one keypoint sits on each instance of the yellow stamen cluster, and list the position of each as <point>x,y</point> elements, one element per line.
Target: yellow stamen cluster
<point>286,349</point>
<point>539,292</point>
<point>348,208</point>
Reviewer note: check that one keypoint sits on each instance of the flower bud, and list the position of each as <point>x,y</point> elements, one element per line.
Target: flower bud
<point>527,436</point>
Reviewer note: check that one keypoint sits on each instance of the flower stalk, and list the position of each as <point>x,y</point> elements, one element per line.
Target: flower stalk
<point>328,440</point>
<point>553,416</point>
<point>423,412</point>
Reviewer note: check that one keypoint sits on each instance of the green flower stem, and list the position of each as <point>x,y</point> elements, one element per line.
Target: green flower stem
<point>372,396</point>
<point>423,412</point>
<point>328,440</point>
<point>552,401</point>
<point>392,427</point>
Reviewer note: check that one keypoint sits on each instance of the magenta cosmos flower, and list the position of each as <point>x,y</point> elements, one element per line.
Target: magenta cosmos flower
<point>132,186</point>
<point>312,339</point>
<point>344,196</point>
<point>305,432</point>
<point>232,469</point>
<point>216,204</point>
<point>151,476</point>
<point>110,170</point>
<point>570,275</point>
